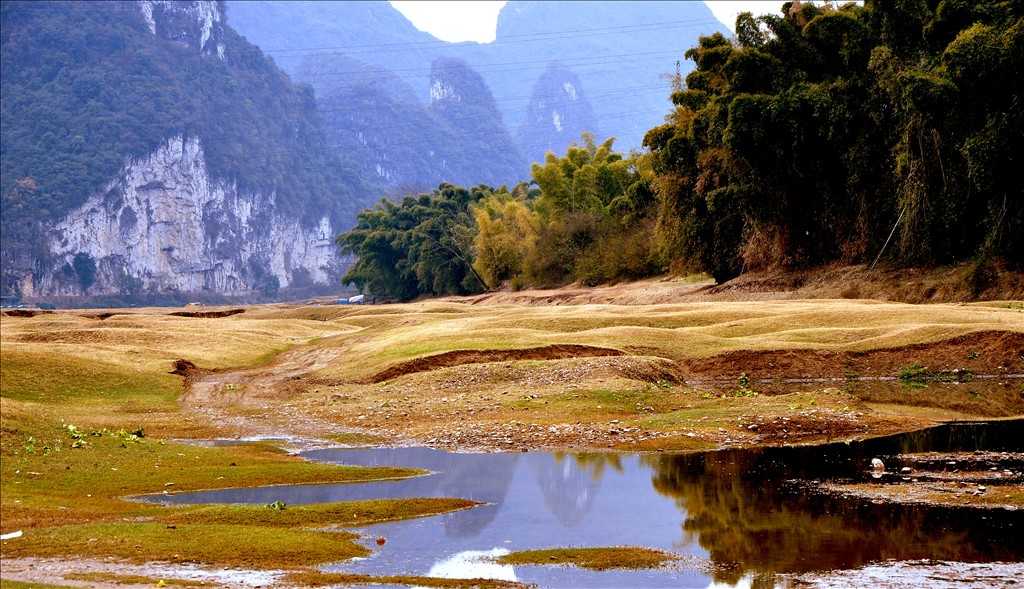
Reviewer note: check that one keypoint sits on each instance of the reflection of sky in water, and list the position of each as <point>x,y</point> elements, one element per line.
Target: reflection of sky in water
<point>732,506</point>
<point>587,501</point>
<point>535,500</point>
<point>474,564</point>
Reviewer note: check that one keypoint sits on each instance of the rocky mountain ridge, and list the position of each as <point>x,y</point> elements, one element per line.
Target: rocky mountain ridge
<point>557,115</point>
<point>408,147</point>
<point>239,197</point>
<point>165,226</point>
<point>622,55</point>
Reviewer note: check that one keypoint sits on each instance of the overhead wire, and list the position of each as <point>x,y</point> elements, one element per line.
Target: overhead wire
<point>332,148</point>
<point>489,68</point>
<point>524,37</point>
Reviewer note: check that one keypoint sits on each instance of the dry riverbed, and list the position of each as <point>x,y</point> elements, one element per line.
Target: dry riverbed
<point>487,374</point>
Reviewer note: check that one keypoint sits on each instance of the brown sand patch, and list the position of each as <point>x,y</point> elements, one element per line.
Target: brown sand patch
<point>207,314</point>
<point>460,357</point>
<point>980,353</point>
<point>25,313</point>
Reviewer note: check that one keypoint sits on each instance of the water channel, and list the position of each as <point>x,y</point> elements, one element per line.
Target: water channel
<point>739,516</point>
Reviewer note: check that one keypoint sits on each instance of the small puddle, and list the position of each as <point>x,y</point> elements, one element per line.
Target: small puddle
<point>737,515</point>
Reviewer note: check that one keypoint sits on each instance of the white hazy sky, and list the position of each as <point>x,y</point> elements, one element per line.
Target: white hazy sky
<point>477,20</point>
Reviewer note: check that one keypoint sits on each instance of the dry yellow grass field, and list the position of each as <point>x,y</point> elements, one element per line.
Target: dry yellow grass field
<point>499,373</point>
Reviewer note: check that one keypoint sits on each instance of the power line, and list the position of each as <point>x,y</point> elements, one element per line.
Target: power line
<point>500,67</point>
<point>594,93</point>
<point>507,39</point>
<point>497,133</point>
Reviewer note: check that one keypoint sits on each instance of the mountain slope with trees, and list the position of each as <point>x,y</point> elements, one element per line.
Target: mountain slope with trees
<point>89,88</point>
<point>887,131</point>
<point>619,53</point>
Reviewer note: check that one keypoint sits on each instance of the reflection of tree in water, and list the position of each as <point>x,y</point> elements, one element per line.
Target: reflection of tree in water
<point>569,482</point>
<point>752,523</point>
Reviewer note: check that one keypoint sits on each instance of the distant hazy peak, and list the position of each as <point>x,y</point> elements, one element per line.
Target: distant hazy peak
<point>558,113</point>
<point>453,80</point>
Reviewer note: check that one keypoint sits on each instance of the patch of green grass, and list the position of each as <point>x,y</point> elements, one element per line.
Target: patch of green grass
<point>598,559</point>
<point>222,545</point>
<point>231,535</point>
<point>71,485</point>
<point>677,443</point>
<point>8,584</point>
<point>355,438</point>
<point>99,577</point>
<point>59,379</point>
<point>744,390</point>
<point>918,375</point>
<point>354,513</point>
<point>618,401</point>
<point>265,358</point>
<point>709,413</point>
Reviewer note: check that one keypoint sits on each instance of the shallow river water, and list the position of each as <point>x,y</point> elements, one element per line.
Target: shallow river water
<point>740,516</point>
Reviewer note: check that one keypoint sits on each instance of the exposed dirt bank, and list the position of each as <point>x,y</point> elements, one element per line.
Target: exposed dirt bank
<point>990,353</point>
<point>906,285</point>
<point>207,314</point>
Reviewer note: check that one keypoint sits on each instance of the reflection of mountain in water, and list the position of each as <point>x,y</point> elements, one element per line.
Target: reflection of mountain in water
<point>740,509</point>
<point>478,477</point>
<point>569,482</point>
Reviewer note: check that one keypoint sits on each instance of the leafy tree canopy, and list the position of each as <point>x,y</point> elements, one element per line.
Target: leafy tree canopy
<point>813,133</point>
<point>423,245</point>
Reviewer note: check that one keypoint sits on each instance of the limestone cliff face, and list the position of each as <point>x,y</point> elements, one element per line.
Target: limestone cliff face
<point>164,226</point>
<point>198,24</point>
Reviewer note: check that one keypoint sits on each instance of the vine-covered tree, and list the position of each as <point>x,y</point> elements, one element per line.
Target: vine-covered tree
<point>812,134</point>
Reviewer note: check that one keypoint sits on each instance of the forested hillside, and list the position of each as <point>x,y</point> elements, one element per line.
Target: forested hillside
<point>85,85</point>
<point>888,131</point>
<point>376,121</point>
<point>90,87</point>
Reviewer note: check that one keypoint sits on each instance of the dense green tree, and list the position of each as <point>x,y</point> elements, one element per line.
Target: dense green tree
<point>820,134</point>
<point>424,245</point>
<point>507,231</point>
<point>813,133</point>
<point>592,216</point>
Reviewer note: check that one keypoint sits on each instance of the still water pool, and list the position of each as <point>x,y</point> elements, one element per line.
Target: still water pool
<point>740,517</point>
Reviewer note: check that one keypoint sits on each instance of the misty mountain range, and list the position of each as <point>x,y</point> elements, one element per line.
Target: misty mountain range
<point>554,70</point>
<point>191,149</point>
